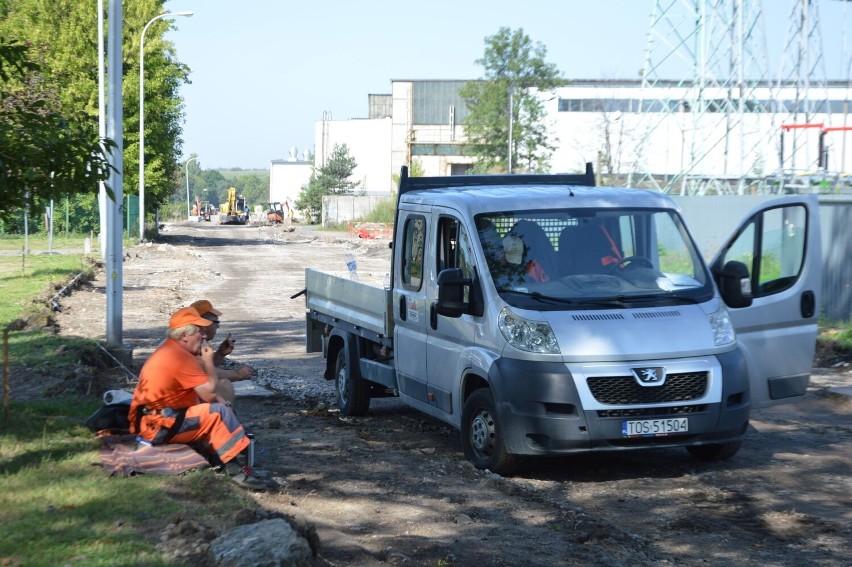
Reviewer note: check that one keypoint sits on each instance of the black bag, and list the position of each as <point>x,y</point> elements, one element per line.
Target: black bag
<point>112,417</point>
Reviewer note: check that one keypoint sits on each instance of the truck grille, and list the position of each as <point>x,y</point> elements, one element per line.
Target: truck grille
<point>623,390</point>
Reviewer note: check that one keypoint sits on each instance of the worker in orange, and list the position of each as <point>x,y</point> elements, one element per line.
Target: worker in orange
<point>225,389</point>
<point>175,400</point>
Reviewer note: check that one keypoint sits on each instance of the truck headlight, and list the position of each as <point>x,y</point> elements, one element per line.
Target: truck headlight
<point>723,330</point>
<point>523,334</point>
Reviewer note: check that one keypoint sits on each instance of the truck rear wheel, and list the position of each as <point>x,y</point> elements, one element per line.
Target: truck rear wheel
<point>353,395</point>
<point>482,438</point>
<point>715,452</point>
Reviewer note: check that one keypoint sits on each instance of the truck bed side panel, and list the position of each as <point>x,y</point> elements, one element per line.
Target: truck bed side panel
<point>363,305</point>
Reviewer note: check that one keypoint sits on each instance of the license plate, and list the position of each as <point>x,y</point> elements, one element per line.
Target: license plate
<point>654,427</point>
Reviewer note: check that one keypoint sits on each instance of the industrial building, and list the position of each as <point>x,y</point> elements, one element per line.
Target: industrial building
<point>706,114</point>
<point>667,136</point>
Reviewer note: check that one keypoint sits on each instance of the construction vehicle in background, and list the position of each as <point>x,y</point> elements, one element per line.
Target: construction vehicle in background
<point>205,211</point>
<point>274,213</point>
<point>234,211</point>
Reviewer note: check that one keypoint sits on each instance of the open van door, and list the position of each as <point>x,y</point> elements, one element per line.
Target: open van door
<point>779,242</point>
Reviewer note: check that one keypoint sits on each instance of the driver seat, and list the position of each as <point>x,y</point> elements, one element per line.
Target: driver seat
<point>586,249</point>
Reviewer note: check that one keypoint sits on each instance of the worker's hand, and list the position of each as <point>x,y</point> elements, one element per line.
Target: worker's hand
<point>207,355</point>
<point>245,372</point>
<point>227,346</point>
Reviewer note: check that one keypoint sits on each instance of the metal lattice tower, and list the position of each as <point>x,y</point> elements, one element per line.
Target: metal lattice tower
<point>802,88</point>
<point>706,77</point>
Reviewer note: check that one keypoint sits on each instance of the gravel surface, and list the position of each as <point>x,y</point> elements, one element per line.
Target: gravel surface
<point>393,487</point>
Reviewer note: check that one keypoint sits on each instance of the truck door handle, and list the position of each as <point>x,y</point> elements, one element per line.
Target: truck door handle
<point>402,307</point>
<point>433,315</point>
<point>807,304</point>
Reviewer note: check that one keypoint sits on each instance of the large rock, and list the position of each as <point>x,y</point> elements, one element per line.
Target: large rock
<point>269,543</point>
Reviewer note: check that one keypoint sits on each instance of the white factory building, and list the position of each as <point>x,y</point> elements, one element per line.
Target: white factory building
<point>670,136</point>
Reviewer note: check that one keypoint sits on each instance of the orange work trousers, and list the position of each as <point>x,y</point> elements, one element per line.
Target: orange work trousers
<point>212,428</point>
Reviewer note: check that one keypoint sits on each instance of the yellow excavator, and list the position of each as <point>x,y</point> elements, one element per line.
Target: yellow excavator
<point>235,210</point>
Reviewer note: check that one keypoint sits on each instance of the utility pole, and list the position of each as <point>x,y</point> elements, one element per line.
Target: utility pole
<point>115,131</point>
<point>102,194</point>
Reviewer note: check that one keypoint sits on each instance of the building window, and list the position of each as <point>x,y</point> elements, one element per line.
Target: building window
<point>432,100</point>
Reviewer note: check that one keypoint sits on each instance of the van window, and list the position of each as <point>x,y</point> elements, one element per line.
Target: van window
<point>772,245</point>
<point>454,249</point>
<point>412,252</point>
<point>577,258</point>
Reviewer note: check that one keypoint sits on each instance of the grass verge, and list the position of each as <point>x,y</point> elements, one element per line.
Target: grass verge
<point>60,509</point>
<point>27,283</point>
<point>836,335</point>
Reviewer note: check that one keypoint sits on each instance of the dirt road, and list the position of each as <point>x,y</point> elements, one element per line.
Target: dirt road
<point>394,488</point>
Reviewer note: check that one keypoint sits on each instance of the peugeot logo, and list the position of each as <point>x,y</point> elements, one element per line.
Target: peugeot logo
<point>650,376</point>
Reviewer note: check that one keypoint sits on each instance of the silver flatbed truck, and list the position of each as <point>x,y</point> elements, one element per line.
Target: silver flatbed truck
<point>541,315</point>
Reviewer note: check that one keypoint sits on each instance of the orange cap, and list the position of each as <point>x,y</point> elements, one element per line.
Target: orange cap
<point>204,307</point>
<point>187,316</point>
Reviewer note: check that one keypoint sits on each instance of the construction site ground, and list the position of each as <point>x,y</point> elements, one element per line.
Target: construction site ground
<point>393,487</point>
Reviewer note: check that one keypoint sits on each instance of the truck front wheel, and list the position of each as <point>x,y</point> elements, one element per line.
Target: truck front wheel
<point>353,395</point>
<point>715,452</point>
<point>482,438</point>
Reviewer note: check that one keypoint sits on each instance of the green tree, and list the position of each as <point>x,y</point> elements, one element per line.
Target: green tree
<point>164,75</point>
<point>65,33</point>
<point>214,185</point>
<point>334,178</point>
<point>511,61</point>
<point>46,152</point>
<point>255,189</point>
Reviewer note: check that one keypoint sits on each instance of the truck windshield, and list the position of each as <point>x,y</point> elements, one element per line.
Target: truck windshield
<point>592,254</point>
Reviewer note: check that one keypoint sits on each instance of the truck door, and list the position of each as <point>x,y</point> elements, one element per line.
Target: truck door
<point>411,307</point>
<point>448,337</point>
<point>780,243</point>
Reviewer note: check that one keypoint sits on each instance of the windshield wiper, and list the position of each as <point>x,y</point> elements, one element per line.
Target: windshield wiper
<point>623,300</point>
<point>619,301</point>
<point>539,297</point>
<point>605,301</point>
<point>663,296</point>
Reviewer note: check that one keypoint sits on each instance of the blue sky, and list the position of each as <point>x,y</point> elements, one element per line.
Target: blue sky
<point>264,71</point>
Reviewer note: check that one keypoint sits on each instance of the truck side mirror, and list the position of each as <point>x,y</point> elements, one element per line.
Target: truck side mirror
<point>451,284</point>
<point>734,284</point>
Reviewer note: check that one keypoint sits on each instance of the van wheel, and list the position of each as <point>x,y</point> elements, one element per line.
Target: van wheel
<point>353,395</point>
<point>482,438</point>
<point>716,452</point>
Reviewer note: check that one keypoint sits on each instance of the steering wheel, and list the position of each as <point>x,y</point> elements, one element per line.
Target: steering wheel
<point>632,262</point>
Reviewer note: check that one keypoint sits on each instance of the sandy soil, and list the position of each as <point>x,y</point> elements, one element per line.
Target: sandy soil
<point>394,488</point>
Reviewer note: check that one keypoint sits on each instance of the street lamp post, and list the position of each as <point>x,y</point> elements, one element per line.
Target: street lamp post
<point>511,91</point>
<point>142,116</point>
<point>187,185</point>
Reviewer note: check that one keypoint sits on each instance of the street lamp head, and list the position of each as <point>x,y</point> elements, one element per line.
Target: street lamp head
<point>181,13</point>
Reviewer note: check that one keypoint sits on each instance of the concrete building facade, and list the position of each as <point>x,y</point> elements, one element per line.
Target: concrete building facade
<point>670,137</point>
<point>288,176</point>
<point>369,142</point>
